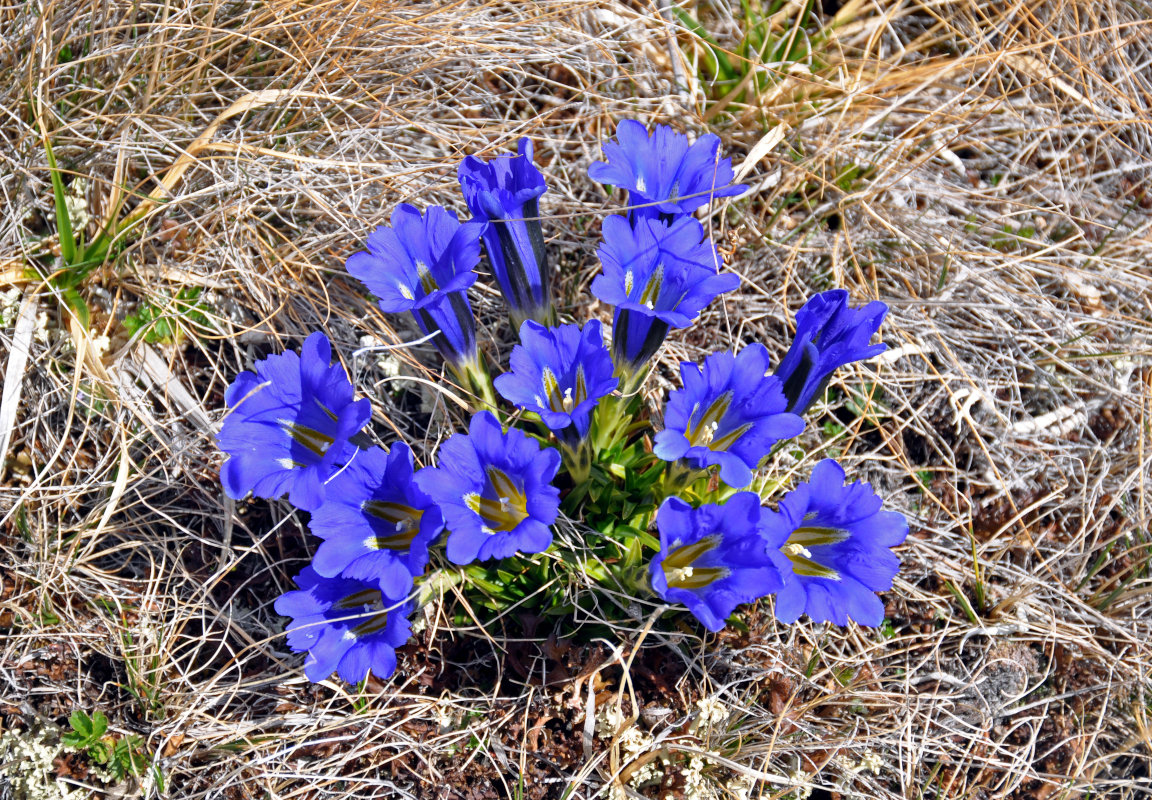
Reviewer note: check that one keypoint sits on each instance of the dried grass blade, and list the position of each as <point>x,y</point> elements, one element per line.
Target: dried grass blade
<point>14,372</point>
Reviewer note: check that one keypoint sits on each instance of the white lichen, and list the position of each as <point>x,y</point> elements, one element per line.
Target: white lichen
<point>633,741</point>
<point>871,761</point>
<point>76,201</point>
<point>387,363</point>
<point>711,712</point>
<point>9,308</point>
<point>27,756</point>
<point>100,344</point>
<point>801,788</point>
<point>697,785</point>
<point>742,786</point>
<point>42,333</point>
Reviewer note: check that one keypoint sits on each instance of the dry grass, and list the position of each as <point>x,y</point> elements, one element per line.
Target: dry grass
<point>1002,209</point>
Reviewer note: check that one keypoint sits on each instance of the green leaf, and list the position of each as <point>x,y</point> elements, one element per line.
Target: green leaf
<point>158,777</point>
<point>81,734</point>
<point>716,61</point>
<point>479,577</point>
<point>159,322</point>
<point>78,306</point>
<point>127,757</point>
<point>100,752</point>
<point>634,554</point>
<point>63,221</point>
<point>738,624</point>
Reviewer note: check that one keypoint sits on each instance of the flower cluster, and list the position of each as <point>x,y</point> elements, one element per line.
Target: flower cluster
<point>584,438</point>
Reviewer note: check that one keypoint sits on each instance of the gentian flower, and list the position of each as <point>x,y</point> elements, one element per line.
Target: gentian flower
<point>836,552</point>
<point>728,413</point>
<point>713,558</point>
<point>659,277</point>
<point>346,625</point>
<point>494,491</point>
<point>505,193</point>
<point>829,334</point>
<point>560,373</point>
<point>290,426</point>
<point>663,174</point>
<point>424,264</point>
<point>376,523</point>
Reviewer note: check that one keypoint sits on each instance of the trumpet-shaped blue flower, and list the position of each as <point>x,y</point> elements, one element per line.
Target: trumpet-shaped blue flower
<point>495,492</point>
<point>729,414</point>
<point>829,335</point>
<point>425,264</point>
<point>662,172</point>
<point>658,276</point>
<point>345,625</point>
<point>560,373</point>
<point>505,192</point>
<point>290,425</point>
<point>713,558</point>
<point>836,549</point>
<point>376,523</point>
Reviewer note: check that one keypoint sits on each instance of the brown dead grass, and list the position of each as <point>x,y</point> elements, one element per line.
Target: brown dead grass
<point>1003,213</point>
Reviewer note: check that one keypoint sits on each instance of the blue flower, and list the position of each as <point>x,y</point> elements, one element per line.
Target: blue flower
<point>659,277</point>
<point>713,558</point>
<point>375,522</point>
<point>836,552</point>
<point>290,426</point>
<point>728,413</point>
<point>664,170</point>
<point>345,625</point>
<point>829,334</point>
<point>560,373</point>
<point>425,264</point>
<point>495,492</point>
<point>505,193</point>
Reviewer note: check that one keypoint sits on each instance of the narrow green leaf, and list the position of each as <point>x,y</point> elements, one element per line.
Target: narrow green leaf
<point>63,221</point>
<point>963,601</point>
<point>738,624</point>
<point>715,59</point>
<point>77,305</point>
<point>97,248</point>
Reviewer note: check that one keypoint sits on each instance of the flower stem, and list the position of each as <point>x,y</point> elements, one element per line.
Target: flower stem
<point>677,475</point>
<point>577,460</point>
<point>612,417</point>
<point>474,378</point>
<point>630,382</point>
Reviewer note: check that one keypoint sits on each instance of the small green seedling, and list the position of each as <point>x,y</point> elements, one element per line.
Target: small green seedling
<point>165,322</point>
<point>121,756</point>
